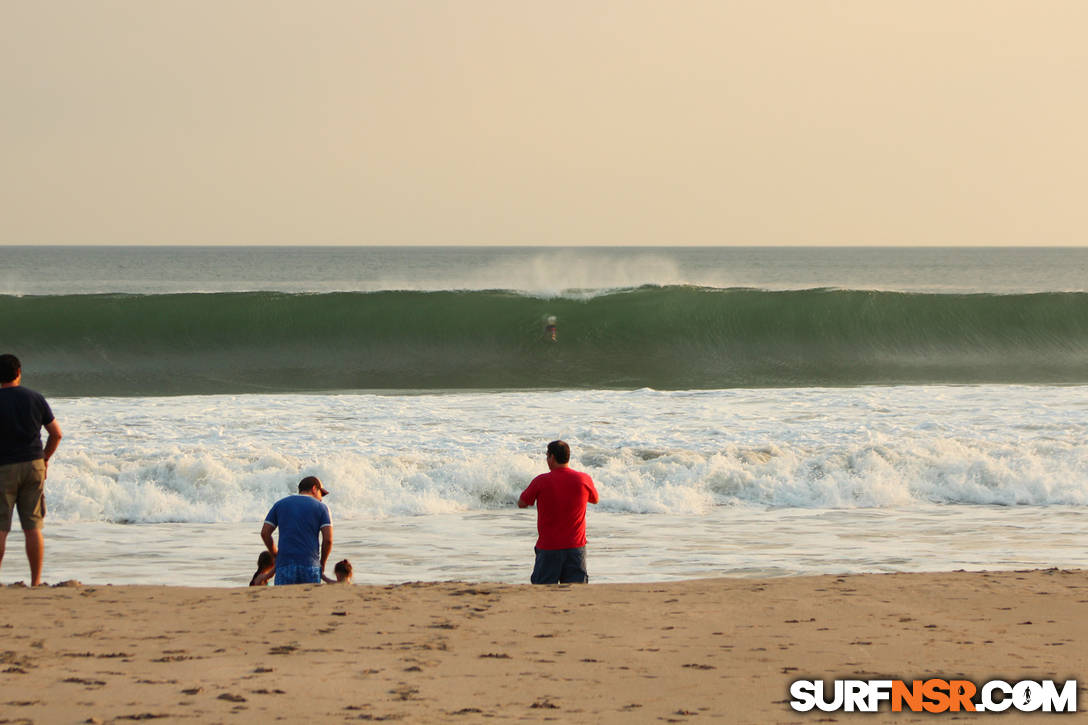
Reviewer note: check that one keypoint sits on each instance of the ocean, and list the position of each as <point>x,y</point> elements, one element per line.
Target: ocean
<point>744,411</point>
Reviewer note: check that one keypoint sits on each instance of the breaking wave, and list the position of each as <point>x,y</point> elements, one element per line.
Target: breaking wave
<point>668,338</point>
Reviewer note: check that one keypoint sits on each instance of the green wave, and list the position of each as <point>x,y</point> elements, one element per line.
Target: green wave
<point>659,337</point>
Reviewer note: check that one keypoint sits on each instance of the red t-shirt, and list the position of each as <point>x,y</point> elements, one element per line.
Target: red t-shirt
<point>560,497</point>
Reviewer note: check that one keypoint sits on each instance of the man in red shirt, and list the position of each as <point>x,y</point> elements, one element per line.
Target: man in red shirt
<point>560,496</point>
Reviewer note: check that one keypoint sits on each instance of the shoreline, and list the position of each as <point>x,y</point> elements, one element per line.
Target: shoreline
<point>722,650</point>
<point>497,545</point>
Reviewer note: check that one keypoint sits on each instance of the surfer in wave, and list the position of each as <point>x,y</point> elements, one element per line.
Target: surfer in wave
<point>550,328</point>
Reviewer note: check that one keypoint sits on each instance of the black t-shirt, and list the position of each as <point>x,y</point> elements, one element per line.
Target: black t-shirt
<point>22,415</point>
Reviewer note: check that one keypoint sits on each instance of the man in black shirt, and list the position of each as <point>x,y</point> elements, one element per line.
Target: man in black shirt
<point>24,463</point>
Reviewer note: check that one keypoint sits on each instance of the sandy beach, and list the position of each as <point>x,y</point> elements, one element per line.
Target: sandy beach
<point>721,650</point>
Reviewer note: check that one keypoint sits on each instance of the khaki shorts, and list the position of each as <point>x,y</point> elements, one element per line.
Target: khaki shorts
<point>22,485</point>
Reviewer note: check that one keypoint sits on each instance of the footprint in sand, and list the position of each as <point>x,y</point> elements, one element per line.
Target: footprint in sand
<point>405,692</point>
<point>145,716</point>
<point>544,704</point>
<point>230,697</point>
<point>284,649</point>
<point>82,681</point>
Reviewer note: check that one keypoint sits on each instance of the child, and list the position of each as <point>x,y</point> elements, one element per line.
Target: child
<point>343,571</point>
<point>266,569</point>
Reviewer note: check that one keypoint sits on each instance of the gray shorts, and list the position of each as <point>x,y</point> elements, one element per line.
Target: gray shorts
<point>22,486</point>
<point>560,566</point>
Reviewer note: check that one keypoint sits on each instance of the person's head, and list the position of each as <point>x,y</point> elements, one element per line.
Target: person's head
<point>343,571</point>
<point>311,486</point>
<point>558,454</point>
<point>266,565</point>
<point>10,369</point>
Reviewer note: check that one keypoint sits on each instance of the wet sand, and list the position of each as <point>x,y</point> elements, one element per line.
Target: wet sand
<point>715,650</point>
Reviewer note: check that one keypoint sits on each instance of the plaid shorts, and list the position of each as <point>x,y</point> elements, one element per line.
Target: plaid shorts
<point>297,574</point>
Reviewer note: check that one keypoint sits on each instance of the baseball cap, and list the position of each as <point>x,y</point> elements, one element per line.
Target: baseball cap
<point>309,482</point>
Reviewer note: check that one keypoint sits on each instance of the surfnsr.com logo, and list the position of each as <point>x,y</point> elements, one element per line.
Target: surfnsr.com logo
<point>933,695</point>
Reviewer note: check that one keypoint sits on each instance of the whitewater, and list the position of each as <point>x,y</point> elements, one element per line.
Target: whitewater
<point>743,412</point>
<point>739,482</point>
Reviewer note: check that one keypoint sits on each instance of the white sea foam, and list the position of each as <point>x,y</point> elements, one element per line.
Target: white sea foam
<point>227,458</point>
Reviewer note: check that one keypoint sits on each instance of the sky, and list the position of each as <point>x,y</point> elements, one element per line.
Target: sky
<point>625,122</point>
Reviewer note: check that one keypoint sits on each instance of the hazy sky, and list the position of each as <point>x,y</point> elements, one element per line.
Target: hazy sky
<point>560,122</point>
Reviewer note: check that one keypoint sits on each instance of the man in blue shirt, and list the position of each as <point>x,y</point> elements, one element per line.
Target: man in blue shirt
<point>300,519</point>
<point>24,462</point>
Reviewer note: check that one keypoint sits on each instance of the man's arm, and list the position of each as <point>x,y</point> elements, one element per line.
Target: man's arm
<point>266,536</point>
<point>262,579</point>
<point>51,443</point>
<point>326,545</point>
<point>528,496</point>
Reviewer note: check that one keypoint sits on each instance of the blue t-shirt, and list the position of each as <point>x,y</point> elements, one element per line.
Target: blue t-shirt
<point>22,415</point>
<point>300,519</point>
